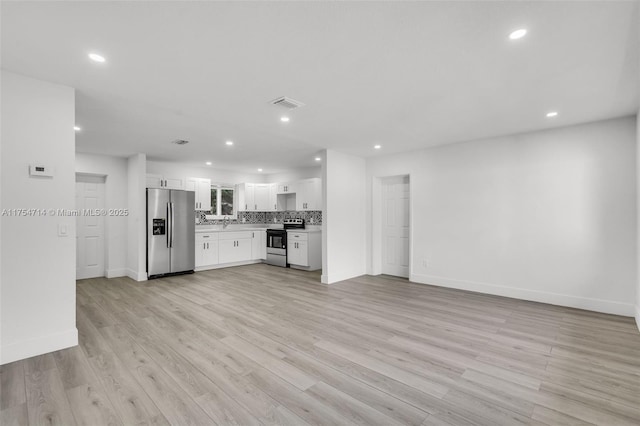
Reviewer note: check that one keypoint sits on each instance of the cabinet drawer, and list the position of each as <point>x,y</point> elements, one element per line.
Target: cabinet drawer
<point>235,235</point>
<point>297,236</point>
<point>207,236</point>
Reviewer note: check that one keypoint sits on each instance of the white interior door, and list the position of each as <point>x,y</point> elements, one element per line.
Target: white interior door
<point>89,227</point>
<point>395,226</point>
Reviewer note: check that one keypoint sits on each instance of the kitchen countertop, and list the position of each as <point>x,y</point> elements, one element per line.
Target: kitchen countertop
<point>219,228</point>
<point>306,230</point>
<point>240,228</point>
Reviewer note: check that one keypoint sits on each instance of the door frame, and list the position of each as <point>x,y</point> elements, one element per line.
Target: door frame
<point>105,222</point>
<point>376,222</point>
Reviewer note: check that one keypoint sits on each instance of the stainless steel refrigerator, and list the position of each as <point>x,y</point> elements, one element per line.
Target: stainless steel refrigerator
<point>170,232</point>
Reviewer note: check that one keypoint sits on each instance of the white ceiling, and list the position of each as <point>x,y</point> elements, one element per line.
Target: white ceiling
<point>404,75</point>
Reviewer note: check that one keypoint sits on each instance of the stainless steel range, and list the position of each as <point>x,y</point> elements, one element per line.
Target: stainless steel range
<point>277,242</point>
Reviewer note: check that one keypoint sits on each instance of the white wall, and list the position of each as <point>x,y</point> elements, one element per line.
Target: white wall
<point>295,174</point>
<point>37,266</point>
<point>547,216</point>
<point>637,313</point>
<point>115,170</point>
<point>343,227</point>
<point>216,175</point>
<point>137,219</point>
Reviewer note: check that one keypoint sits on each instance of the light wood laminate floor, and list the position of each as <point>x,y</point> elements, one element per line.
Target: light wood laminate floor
<point>266,345</point>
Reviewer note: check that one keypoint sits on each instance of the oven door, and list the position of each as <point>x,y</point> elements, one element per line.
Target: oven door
<point>276,240</point>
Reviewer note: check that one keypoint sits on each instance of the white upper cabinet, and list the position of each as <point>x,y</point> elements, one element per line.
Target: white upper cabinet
<point>286,188</point>
<point>164,182</point>
<point>247,197</point>
<point>261,197</point>
<point>268,197</point>
<point>202,188</point>
<point>273,197</point>
<point>309,194</point>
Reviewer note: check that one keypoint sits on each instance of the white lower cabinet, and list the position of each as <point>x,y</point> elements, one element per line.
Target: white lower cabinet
<point>206,249</point>
<point>259,245</point>
<point>218,249</point>
<point>304,250</point>
<point>235,246</point>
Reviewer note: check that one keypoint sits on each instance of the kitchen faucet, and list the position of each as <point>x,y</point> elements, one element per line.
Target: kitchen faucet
<point>225,222</point>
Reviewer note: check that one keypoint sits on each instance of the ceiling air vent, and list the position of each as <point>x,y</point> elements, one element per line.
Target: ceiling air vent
<point>287,103</point>
<point>180,142</point>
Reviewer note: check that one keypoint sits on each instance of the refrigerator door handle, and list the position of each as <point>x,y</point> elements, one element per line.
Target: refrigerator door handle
<point>169,225</point>
<point>172,223</point>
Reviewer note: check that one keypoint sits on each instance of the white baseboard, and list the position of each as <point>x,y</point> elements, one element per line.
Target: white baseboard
<point>137,276</point>
<point>638,316</point>
<point>341,276</point>
<point>597,305</point>
<point>226,265</point>
<point>115,273</point>
<point>38,346</point>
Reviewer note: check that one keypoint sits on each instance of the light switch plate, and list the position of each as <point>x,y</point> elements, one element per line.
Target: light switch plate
<point>62,230</point>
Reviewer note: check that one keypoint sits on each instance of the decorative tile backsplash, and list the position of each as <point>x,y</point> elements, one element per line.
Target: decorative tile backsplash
<point>313,217</point>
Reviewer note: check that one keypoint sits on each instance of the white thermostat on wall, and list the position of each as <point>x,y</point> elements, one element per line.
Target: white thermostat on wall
<point>40,170</point>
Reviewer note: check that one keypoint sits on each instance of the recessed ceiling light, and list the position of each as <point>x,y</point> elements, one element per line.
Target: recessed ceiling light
<point>377,146</point>
<point>76,128</point>
<point>518,34</point>
<point>259,170</point>
<point>284,119</point>
<point>552,114</point>
<point>318,159</point>
<point>229,143</point>
<point>97,58</point>
<point>208,163</point>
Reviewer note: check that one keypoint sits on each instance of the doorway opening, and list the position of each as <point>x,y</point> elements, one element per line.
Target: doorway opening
<point>90,232</point>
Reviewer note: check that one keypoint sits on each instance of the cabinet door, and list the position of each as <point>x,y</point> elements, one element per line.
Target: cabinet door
<point>174,182</point>
<point>302,247</point>
<point>261,197</point>
<point>263,244</point>
<point>286,188</point>
<point>255,245</point>
<point>273,197</point>
<point>249,197</point>
<point>301,194</point>
<point>297,253</point>
<point>211,252</point>
<point>259,245</point>
<point>203,194</point>
<point>155,181</point>
<point>191,184</point>
<point>227,251</point>
<point>243,249</point>
<point>201,247</point>
<point>314,194</point>
<point>236,250</point>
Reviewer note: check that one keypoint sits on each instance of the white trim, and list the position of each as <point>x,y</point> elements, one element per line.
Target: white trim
<point>638,316</point>
<point>226,265</point>
<point>376,226</point>
<point>115,273</point>
<point>376,222</point>
<point>38,346</point>
<point>597,305</point>
<point>136,276</point>
<point>334,278</point>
